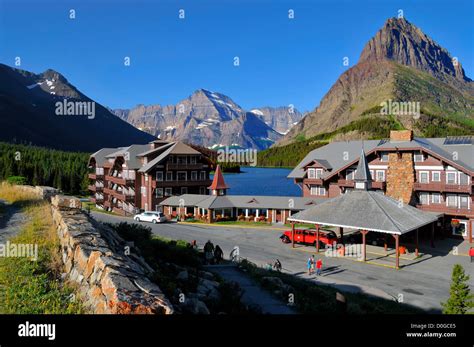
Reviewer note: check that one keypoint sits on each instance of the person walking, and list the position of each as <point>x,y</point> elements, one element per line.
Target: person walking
<point>313,262</point>
<point>309,265</point>
<point>319,266</point>
<point>209,252</point>
<point>218,254</point>
<point>471,254</point>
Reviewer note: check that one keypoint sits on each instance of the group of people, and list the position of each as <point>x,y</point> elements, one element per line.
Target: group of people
<point>314,265</point>
<point>212,255</point>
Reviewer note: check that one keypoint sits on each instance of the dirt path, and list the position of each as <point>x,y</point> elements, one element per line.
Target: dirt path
<point>12,219</point>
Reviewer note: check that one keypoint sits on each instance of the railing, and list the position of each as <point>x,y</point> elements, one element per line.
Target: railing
<point>187,183</point>
<point>316,181</point>
<point>345,183</point>
<point>442,208</point>
<point>91,187</point>
<point>175,166</point>
<point>378,185</point>
<point>443,187</point>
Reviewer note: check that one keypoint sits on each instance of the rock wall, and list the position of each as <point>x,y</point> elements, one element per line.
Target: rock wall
<point>401,176</point>
<point>42,192</point>
<point>110,278</point>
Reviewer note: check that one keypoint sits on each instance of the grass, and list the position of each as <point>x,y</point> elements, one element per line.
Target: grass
<point>33,287</point>
<point>14,195</point>
<point>311,298</point>
<point>91,206</point>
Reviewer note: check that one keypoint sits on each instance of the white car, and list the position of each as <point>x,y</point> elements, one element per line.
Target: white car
<point>150,216</point>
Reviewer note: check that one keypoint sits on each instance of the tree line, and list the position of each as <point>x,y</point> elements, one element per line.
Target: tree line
<point>42,166</point>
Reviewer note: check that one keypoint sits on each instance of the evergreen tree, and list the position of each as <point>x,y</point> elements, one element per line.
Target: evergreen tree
<point>460,300</point>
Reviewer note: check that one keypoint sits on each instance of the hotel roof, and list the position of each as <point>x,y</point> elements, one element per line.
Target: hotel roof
<point>340,154</point>
<point>242,201</point>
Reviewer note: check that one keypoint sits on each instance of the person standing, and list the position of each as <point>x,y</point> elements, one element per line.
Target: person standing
<point>319,266</point>
<point>471,254</point>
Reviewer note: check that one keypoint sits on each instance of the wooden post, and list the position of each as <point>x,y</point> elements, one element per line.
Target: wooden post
<point>317,238</point>
<point>432,234</point>
<point>341,234</point>
<point>385,244</point>
<point>397,251</point>
<point>416,243</point>
<point>364,251</point>
<point>293,234</point>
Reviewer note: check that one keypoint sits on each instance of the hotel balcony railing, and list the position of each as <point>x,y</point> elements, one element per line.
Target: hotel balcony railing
<point>119,180</point>
<point>92,187</point>
<point>316,181</point>
<point>443,187</point>
<point>176,166</point>
<point>442,208</point>
<point>351,184</point>
<point>119,195</point>
<point>183,183</point>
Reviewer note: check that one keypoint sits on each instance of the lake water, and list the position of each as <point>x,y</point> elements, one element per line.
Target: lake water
<point>261,181</point>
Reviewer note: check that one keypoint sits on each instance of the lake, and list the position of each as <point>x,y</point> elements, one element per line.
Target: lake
<point>261,181</point>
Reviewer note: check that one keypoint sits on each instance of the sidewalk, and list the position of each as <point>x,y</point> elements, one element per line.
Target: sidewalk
<point>253,294</point>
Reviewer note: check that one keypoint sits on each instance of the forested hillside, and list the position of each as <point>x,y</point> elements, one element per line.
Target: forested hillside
<point>41,166</point>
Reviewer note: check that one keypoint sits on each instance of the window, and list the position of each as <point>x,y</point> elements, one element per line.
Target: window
<point>184,190</point>
<point>169,175</point>
<point>424,198</point>
<point>203,175</point>
<point>451,177</point>
<point>436,198</point>
<point>159,192</point>
<point>463,178</point>
<point>319,173</point>
<point>436,176</point>
<point>194,175</point>
<point>181,160</point>
<point>418,157</point>
<point>451,201</point>
<point>311,173</point>
<point>350,174</point>
<point>424,177</point>
<point>380,176</point>
<point>143,190</point>
<point>159,176</point>
<point>384,156</point>
<point>372,173</point>
<point>192,160</point>
<point>202,190</point>
<point>318,190</point>
<point>463,201</point>
<point>181,176</point>
<point>168,191</point>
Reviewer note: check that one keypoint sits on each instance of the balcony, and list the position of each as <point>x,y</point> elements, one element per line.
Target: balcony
<point>91,187</point>
<point>345,183</point>
<point>119,180</point>
<point>378,185</point>
<point>187,183</point>
<point>174,166</point>
<point>443,187</point>
<point>313,181</point>
<point>442,208</point>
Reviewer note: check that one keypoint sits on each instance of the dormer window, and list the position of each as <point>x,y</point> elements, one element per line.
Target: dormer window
<point>350,174</point>
<point>384,156</point>
<point>315,173</point>
<point>418,157</point>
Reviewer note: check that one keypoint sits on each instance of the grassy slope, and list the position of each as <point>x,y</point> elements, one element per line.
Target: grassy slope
<point>33,287</point>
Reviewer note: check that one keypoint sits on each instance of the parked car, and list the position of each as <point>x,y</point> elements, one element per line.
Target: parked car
<point>308,236</point>
<point>150,216</point>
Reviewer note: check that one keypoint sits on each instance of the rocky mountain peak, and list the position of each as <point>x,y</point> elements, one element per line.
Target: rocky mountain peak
<point>400,41</point>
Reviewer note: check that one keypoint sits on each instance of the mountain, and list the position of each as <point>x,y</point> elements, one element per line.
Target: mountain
<point>280,119</point>
<point>209,119</point>
<point>402,64</point>
<point>29,114</point>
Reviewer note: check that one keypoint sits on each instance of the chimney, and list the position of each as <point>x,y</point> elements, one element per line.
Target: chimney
<point>158,143</point>
<point>401,135</point>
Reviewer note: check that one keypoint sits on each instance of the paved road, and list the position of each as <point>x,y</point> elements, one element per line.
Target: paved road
<point>11,222</point>
<point>424,284</point>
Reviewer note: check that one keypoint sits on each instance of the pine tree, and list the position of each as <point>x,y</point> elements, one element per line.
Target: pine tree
<point>460,300</point>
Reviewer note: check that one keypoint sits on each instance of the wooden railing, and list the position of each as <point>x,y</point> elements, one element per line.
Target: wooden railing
<point>443,187</point>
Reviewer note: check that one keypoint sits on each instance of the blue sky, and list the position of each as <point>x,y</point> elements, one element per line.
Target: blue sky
<point>282,61</point>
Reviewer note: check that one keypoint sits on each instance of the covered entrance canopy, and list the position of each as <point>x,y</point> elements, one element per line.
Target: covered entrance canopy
<point>367,210</point>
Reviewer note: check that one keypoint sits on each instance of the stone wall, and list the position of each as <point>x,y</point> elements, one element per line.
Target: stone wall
<point>110,278</point>
<point>400,176</point>
<point>42,192</point>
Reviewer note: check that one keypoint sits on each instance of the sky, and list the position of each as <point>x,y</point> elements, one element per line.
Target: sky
<point>282,61</point>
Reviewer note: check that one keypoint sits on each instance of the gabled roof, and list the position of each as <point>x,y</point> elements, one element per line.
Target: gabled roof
<point>218,181</point>
<point>174,148</point>
<point>366,210</point>
<point>130,155</point>
<point>101,155</point>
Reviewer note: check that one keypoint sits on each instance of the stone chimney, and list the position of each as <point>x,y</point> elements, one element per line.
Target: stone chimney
<point>401,176</point>
<point>401,135</point>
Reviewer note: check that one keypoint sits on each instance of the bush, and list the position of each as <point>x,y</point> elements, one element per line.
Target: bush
<point>17,180</point>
